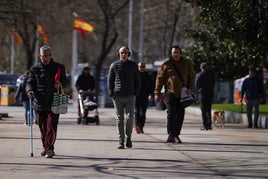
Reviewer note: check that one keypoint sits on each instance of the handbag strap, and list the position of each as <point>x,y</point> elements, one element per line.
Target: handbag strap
<point>58,90</point>
<point>179,73</point>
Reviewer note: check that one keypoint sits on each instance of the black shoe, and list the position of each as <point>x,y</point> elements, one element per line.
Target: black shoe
<point>120,147</point>
<point>129,143</point>
<point>249,126</point>
<point>209,128</point>
<point>170,139</point>
<point>203,129</point>
<point>43,153</point>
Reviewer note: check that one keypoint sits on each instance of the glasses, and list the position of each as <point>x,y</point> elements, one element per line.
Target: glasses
<point>141,66</point>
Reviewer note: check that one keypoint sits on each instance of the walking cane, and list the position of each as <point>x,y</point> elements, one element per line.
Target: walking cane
<point>31,128</point>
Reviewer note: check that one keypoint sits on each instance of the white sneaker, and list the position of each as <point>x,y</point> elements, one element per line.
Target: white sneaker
<point>50,154</point>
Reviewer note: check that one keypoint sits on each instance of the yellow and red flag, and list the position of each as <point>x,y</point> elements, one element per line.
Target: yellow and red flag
<point>82,26</point>
<point>17,36</point>
<point>42,32</point>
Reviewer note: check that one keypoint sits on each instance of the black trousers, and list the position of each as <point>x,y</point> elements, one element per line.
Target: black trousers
<point>205,105</point>
<point>140,115</point>
<point>175,114</point>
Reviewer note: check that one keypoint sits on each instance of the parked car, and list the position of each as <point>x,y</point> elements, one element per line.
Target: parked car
<point>8,79</point>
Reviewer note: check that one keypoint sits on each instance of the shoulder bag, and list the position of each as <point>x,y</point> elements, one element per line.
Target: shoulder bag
<point>186,100</point>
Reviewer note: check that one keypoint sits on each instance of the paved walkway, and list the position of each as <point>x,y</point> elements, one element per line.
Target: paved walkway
<point>90,151</point>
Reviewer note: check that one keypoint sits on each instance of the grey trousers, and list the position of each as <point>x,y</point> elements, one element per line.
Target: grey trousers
<point>124,105</point>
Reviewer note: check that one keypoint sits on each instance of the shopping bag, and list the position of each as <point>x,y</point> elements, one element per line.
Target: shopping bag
<point>60,102</point>
<point>186,100</point>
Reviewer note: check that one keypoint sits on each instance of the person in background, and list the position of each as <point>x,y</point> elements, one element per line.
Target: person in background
<point>41,85</point>
<point>124,85</point>
<point>21,95</point>
<point>142,100</point>
<point>205,82</point>
<point>168,77</point>
<point>253,88</point>
<point>85,82</point>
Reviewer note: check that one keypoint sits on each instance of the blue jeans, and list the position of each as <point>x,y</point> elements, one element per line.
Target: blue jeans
<point>124,105</point>
<point>250,104</point>
<point>26,105</point>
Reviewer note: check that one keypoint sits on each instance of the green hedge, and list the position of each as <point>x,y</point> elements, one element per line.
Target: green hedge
<point>238,108</point>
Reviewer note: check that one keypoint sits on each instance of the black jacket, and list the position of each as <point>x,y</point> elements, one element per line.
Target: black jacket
<point>85,82</point>
<point>205,82</point>
<point>42,82</point>
<point>123,79</point>
<point>147,88</point>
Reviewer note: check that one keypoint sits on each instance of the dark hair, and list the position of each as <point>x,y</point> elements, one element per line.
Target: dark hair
<point>252,69</point>
<point>86,68</point>
<point>174,46</point>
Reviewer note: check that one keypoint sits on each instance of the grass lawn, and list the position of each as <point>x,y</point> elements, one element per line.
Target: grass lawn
<point>237,108</point>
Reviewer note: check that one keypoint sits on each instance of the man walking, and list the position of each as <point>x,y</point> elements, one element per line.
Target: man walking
<point>123,85</point>
<point>168,76</point>
<point>205,82</point>
<point>253,88</point>
<point>40,87</point>
<point>142,100</point>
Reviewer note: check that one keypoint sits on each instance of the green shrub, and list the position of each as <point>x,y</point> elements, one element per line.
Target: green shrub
<point>238,108</point>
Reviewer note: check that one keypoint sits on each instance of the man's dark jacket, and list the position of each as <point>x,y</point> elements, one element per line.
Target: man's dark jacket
<point>41,81</point>
<point>205,82</point>
<point>147,88</point>
<point>123,79</point>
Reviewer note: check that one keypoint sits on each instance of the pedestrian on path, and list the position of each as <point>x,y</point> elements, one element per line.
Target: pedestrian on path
<point>40,87</point>
<point>85,83</point>
<point>142,100</point>
<point>253,88</point>
<point>21,95</point>
<point>168,77</point>
<point>205,82</point>
<point>123,85</point>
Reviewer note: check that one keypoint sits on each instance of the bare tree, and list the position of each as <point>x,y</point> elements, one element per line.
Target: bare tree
<point>20,16</point>
<point>109,34</point>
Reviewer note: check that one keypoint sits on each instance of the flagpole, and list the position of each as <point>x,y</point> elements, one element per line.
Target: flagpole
<point>36,47</point>
<point>12,55</point>
<point>74,59</point>
<point>130,25</point>
<point>141,31</point>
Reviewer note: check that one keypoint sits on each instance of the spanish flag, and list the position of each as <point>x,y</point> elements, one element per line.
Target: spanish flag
<point>42,32</point>
<point>82,26</point>
<point>17,37</point>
